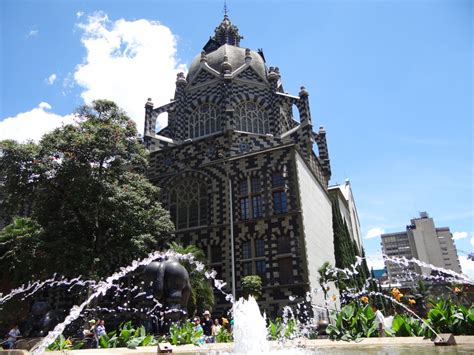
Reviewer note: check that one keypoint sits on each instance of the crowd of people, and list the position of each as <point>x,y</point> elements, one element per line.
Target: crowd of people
<point>96,328</point>
<point>210,328</point>
<point>93,332</point>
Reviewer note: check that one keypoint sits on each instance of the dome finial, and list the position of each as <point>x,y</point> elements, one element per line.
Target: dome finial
<point>226,32</point>
<point>226,10</point>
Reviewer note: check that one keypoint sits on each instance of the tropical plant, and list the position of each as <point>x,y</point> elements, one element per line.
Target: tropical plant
<point>223,336</point>
<point>421,293</point>
<point>404,325</point>
<point>290,329</point>
<point>61,343</point>
<point>202,294</point>
<point>324,278</point>
<point>447,317</point>
<point>353,322</point>
<point>252,286</point>
<point>278,329</point>
<point>274,329</point>
<point>185,334</point>
<point>127,336</point>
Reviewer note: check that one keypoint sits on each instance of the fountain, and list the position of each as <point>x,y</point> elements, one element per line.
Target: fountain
<point>250,333</point>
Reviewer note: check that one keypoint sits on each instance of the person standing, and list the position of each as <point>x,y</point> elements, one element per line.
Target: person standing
<point>89,334</point>
<point>198,328</point>
<point>99,330</point>
<point>13,335</point>
<point>216,327</point>
<point>207,327</point>
<point>379,320</point>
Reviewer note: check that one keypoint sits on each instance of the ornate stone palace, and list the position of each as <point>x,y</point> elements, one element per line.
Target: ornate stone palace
<point>239,174</point>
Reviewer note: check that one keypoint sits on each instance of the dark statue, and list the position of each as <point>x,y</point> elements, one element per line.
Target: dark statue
<point>41,320</point>
<point>168,281</point>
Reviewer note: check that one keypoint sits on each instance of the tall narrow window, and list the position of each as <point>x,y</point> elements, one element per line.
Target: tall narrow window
<point>279,194</point>
<point>283,244</point>
<point>203,121</point>
<point>188,203</point>
<point>250,198</point>
<point>250,117</point>
<point>253,258</point>
<point>285,270</point>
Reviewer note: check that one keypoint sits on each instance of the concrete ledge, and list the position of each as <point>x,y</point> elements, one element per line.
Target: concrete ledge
<point>462,340</point>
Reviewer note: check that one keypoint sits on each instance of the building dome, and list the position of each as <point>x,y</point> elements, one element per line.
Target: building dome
<point>233,55</point>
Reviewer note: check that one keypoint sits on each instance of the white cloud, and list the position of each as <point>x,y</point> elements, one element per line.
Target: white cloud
<point>472,241</point>
<point>374,232</point>
<point>79,14</point>
<point>128,62</point>
<point>467,266</point>
<point>51,79</point>
<point>32,124</point>
<point>32,33</point>
<point>375,261</point>
<point>459,235</point>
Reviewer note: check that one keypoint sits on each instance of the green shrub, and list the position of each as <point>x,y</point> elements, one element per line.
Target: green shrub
<point>184,334</point>
<point>223,336</point>
<point>404,325</point>
<point>447,317</point>
<point>252,286</point>
<point>127,336</point>
<point>278,329</point>
<point>353,322</point>
<point>61,343</point>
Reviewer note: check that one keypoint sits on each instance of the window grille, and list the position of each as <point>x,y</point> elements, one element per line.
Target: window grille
<point>204,121</point>
<point>188,203</point>
<point>250,117</point>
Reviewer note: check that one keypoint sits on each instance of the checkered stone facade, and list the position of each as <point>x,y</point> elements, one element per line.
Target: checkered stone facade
<point>227,76</point>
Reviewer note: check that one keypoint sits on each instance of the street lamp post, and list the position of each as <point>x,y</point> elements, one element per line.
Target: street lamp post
<point>232,249</point>
<point>231,224</point>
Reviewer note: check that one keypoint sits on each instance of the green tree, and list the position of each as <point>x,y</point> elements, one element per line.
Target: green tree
<point>324,278</point>
<point>84,185</point>
<point>20,248</point>
<point>252,286</point>
<point>344,250</point>
<point>202,294</point>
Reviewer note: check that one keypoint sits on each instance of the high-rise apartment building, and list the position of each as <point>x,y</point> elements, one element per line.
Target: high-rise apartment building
<point>423,241</point>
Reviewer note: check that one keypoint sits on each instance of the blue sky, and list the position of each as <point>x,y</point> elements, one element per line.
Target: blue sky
<point>391,81</point>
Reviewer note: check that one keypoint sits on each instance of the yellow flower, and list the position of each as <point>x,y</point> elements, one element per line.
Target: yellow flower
<point>411,302</point>
<point>395,292</point>
<point>364,299</point>
<point>334,298</point>
<point>398,296</point>
<point>457,290</point>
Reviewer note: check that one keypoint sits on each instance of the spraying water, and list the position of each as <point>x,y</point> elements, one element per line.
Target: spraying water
<point>32,287</point>
<point>250,330</point>
<point>101,288</point>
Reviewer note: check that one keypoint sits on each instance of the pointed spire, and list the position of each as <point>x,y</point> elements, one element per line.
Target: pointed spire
<point>225,8</point>
<point>226,32</point>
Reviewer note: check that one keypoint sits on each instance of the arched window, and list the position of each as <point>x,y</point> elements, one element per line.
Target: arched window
<point>188,203</point>
<point>250,117</point>
<point>204,120</point>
